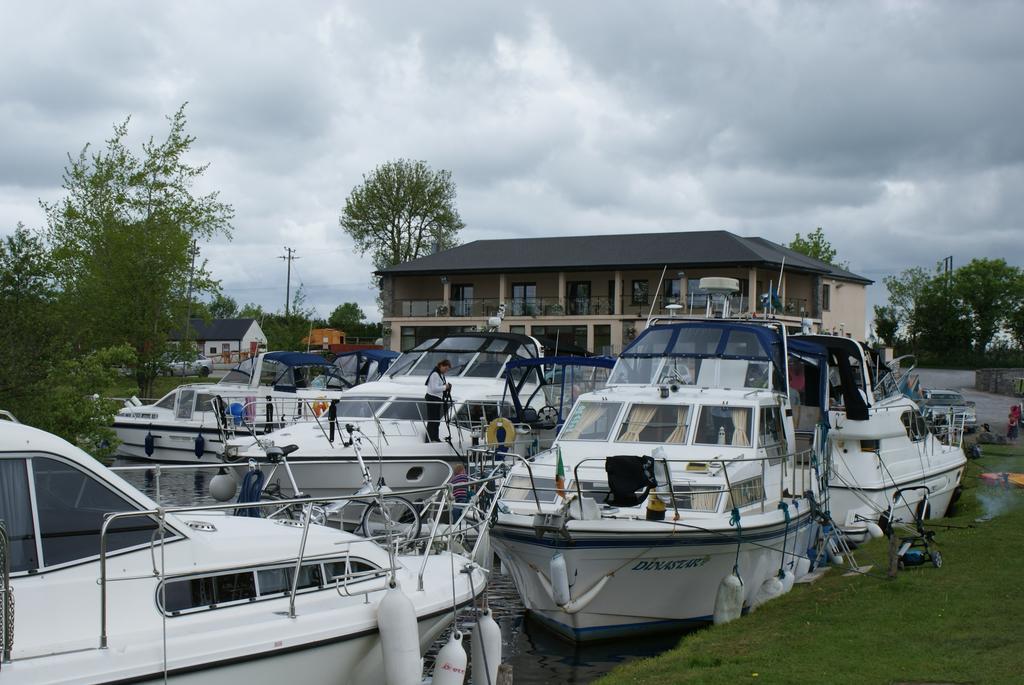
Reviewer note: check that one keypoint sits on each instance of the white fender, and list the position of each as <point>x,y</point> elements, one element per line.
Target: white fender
<point>834,555</point>
<point>874,530</point>
<point>400,639</point>
<point>450,665</point>
<point>486,642</point>
<point>729,600</point>
<point>580,603</point>
<point>803,566</point>
<point>559,580</point>
<point>788,579</point>
<point>770,589</point>
<point>222,487</point>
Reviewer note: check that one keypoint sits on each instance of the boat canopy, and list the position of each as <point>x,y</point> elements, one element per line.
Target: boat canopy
<point>360,366</point>
<point>848,378</point>
<point>685,345</point>
<point>477,355</point>
<point>286,371</point>
<point>561,379</point>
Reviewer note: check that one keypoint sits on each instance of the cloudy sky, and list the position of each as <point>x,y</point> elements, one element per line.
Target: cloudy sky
<point>896,126</point>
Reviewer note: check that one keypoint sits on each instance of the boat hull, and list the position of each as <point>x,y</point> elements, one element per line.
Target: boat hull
<point>656,581</point>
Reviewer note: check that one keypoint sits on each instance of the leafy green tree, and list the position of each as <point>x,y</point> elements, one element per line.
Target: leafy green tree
<point>1015,324</point>
<point>887,324</point>
<point>346,317</point>
<point>122,240</point>
<point>222,307</point>
<point>905,293</point>
<point>990,290</point>
<point>251,311</point>
<point>401,211</point>
<point>815,245</point>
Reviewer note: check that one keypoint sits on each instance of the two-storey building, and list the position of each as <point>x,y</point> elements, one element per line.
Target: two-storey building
<point>598,291</point>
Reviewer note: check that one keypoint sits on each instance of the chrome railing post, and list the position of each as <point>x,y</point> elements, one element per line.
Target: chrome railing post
<point>308,512</point>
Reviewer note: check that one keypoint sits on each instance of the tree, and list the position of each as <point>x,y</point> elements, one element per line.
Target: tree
<point>815,245</point>
<point>990,290</point>
<point>222,307</point>
<point>347,317</point>
<point>886,324</point>
<point>905,292</point>
<point>122,241</point>
<point>402,210</point>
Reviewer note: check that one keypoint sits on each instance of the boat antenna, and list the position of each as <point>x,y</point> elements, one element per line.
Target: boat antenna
<point>781,269</point>
<point>654,300</point>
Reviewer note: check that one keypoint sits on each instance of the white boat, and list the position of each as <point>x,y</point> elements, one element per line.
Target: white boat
<point>191,423</point>
<point>887,462</point>
<point>390,414</point>
<point>215,599</point>
<point>696,415</point>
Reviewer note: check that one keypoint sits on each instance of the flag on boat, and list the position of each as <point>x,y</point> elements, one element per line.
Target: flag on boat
<point>559,473</point>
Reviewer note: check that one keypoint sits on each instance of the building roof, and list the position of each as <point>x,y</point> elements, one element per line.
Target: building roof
<point>692,249</point>
<point>216,329</point>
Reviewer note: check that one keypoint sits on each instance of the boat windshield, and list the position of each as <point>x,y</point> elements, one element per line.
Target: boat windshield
<point>591,421</point>
<point>359,406</point>
<point>726,355</point>
<point>473,356</point>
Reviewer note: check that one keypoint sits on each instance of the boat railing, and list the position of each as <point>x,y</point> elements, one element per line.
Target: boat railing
<point>794,479</point>
<point>443,495</point>
<point>6,597</point>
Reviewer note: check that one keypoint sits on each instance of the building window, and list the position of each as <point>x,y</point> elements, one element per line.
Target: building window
<point>519,330</point>
<point>524,299</point>
<point>670,289</point>
<point>408,338</point>
<point>602,339</point>
<point>461,299</point>
<point>578,297</point>
<point>640,292</point>
<point>826,297</point>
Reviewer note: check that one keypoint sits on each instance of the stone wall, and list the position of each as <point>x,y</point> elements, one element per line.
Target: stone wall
<point>999,381</point>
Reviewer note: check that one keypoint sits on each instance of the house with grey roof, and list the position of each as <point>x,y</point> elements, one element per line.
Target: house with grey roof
<point>226,341</point>
<point>598,291</point>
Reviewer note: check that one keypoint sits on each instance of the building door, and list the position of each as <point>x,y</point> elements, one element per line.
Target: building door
<point>578,297</point>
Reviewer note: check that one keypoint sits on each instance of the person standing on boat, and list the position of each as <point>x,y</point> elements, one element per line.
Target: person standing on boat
<point>437,387</point>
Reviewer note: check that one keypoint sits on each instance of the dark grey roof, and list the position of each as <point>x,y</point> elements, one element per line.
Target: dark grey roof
<point>217,329</point>
<point>681,250</point>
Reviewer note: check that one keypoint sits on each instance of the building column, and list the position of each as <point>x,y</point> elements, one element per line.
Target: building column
<point>752,294</point>
<point>590,336</point>
<point>561,290</point>
<point>502,289</point>
<point>618,295</point>
<point>446,294</point>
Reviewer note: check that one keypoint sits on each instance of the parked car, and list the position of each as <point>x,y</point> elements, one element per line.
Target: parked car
<point>938,404</point>
<point>199,366</point>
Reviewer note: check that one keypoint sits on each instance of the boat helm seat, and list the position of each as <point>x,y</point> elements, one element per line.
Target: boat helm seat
<point>628,474</point>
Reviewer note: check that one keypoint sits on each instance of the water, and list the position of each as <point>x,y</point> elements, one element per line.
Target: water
<point>536,654</point>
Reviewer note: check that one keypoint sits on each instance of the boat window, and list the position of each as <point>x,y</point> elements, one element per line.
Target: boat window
<point>204,402</point>
<point>597,490</point>
<point>346,569</point>
<point>526,352</point>
<point>209,592</point>
<point>167,402</point>
<point>487,365</point>
<point>697,341</point>
<point>683,370</point>
<point>591,421</point>
<point>405,410</point>
<point>185,400</point>
<point>16,513</point>
<point>517,489</point>
<point>696,497</point>
<point>743,344</point>
<point>482,413</point>
<point>655,423</point>
<point>634,370</point>
<point>771,435</point>
<point>746,492</point>
<point>273,373</point>
<point>497,346</point>
<point>723,425</point>
<point>425,345</point>
<point>429,360</point>
<point>459,343</point>
<point>404,363</point>
<point>917,428</point>
<point>652,342</point>
<point>241,373</point>
<point>71,506</point>
<point>359,407</point>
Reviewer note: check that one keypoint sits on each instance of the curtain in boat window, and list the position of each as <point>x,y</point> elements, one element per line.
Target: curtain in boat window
<point>740,420</point>
<point>639,416</point>
<point>16,513</point>
<point>678,435</point>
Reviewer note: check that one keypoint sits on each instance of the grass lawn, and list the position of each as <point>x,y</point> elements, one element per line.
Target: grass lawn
<point>962,623</point>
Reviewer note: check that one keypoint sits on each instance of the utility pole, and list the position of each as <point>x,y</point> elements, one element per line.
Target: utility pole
<point>288,287</point>
<point>188,309</point>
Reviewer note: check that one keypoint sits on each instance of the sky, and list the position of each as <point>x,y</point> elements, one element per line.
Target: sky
<point>898,126</point>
